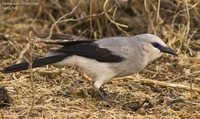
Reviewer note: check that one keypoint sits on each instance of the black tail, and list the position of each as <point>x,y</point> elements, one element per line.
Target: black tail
<point>36,63</point>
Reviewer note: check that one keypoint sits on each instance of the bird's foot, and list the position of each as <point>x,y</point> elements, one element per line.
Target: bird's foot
<point>104,95</point>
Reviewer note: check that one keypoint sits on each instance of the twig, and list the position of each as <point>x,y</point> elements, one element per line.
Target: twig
<point>31,48</point>
<point>187,29</point>
<point>79,19</point>
<point>59,41</point>
<point>157,17</point>
<point>163,84</point>
<point>57,21</point>
<point>89,16</point>
<point>118,25</point>
<point>23,52</point>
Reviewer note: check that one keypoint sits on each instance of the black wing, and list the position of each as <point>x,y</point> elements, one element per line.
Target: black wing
<point>82,47</point>
<point>90,50</point>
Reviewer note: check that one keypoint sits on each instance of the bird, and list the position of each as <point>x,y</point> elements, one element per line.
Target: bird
<point>103,59</point>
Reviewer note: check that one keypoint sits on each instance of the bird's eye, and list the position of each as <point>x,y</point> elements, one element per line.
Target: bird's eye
<point>155,44</point>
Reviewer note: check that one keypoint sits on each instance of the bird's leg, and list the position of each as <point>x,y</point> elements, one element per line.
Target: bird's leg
<point>104,95</point>
<point>103,91</point>
<point>97,83</point>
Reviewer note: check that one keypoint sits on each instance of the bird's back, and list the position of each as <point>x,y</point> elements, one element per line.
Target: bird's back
<point>130,49</point>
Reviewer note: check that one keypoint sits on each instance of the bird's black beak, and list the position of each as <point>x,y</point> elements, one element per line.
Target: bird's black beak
<point>167,50</point>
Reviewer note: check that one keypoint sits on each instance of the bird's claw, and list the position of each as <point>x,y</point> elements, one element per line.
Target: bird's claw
<point>104,95</point>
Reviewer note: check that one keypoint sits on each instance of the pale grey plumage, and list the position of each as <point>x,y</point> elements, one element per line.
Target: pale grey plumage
<point>133,49</point>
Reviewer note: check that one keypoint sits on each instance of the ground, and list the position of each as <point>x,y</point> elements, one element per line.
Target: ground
<point>167,88</point>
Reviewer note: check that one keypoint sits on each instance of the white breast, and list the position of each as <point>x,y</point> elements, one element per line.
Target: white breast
<point>90,66</point>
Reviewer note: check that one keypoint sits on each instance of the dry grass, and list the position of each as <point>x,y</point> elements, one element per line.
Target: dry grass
<point>62,92</point>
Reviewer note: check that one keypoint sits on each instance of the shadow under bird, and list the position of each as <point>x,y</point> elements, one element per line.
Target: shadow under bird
<point>103,59</point>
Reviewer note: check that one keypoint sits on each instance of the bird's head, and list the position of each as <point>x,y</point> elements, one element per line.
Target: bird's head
<point>154,46</point>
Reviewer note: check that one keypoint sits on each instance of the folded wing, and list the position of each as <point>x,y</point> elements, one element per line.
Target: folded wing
<point>90,50</point>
